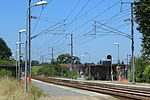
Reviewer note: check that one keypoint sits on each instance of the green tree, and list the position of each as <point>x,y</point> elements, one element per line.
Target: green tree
<point>66,58</point>
<point>146,74</point>
<point>35,63</point>
<point>5,51</point>
<point>140,64</point>
<point>142,17</point>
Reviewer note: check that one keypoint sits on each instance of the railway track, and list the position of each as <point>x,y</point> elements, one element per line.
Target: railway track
<point>120,92</point>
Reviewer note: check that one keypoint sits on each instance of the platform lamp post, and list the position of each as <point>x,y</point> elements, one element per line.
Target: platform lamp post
<point>17,61</point>
<point>28,41</point>
<point>19,54</point>
<point>117,44</point>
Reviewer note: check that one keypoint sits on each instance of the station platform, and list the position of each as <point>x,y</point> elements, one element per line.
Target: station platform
<point>143,86</point>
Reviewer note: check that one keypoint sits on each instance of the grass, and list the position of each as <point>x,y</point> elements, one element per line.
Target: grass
<point>11,90</point>
<point>35,69</point>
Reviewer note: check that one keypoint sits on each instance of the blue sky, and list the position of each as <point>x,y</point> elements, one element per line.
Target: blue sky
<point>79,16</point>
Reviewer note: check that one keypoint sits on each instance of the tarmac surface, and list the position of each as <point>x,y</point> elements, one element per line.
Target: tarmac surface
<point>57,92</point>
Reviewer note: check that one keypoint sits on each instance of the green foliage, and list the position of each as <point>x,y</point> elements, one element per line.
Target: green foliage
<point>34,63</point>
<point>146,74</point>
<point>140,64</point>
<point>35,69</point>
<point>56,70</point>
<point>67,58</point>
<point>141,11</point>
<point>141,73</point>
<point>7,62</point>
<point>64,58</point>
<point>5,73</point>
<point>5,51</point>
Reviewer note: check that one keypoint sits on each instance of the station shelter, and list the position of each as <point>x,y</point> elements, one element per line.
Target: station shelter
<point>103,72</point>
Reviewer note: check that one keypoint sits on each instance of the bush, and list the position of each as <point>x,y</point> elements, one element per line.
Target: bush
<point>7,62</point>
<point>140,64</point>
<point>57,70</point>
<point>4,73</point>
<point>146,74</point>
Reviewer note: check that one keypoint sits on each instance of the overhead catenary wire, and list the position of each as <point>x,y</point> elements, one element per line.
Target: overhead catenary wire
<point>79,12</point>
<point>64,39</point>
<point>73,9</point>
<point>86,11</point>
<point>95,16</point>
<point>117,32</point>
<point>40,16</point>
<point>47,30</point>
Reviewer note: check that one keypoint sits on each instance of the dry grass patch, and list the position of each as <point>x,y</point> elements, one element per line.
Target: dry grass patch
<point>11,90</point>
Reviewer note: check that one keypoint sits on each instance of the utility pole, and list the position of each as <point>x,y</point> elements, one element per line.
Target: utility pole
<point>119,69</point>
<point>52,60</point>
<point>132,27</point>
<point>16,62</point>
<point>42,58</point>
<point>71,54</point>
<point>128,70</point>
<point>132,39</point>
<point>19,58</point>
<point>52,53</point>
<point>28,48</point>
<point>29,38</point>
<point>26,65</point>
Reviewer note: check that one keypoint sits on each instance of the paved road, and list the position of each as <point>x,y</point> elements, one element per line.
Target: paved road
<point>61,91</point>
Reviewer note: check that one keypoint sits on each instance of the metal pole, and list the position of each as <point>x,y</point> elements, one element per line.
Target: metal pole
<point>112,78</point>
<point>52,60</point>
<point>132,33</point>
<point>89,67</point>
<point>29,38</point>
<point>27,53</point>
<point>26,64</point>
<point>19,60</point>
<point>42,63</point>
<point>71,55</point>
<point>119,62</point>
<point>127,70</point>
<point>132,39</point>
<point>16,63</point>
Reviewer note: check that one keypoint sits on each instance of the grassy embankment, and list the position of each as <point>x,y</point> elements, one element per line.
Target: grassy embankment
<point>10,90</point>
<point>35,69</point>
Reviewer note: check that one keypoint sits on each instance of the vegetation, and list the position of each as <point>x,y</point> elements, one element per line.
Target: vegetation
<point>146,74</point>
<point>10,90</point>
<point>142,9</point>
<point>35,69</point>
<point>5,73</point>
<point>54,70</point>
<point>140,64</point>
<point>7,62</point>
<point>5,51</point>
<point>67,58</point>
<point>142,70</point>
<point>5,54</point>
<point>34,63</point>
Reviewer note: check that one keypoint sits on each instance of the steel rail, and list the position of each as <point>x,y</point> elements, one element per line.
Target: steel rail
<point>114,91</point>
